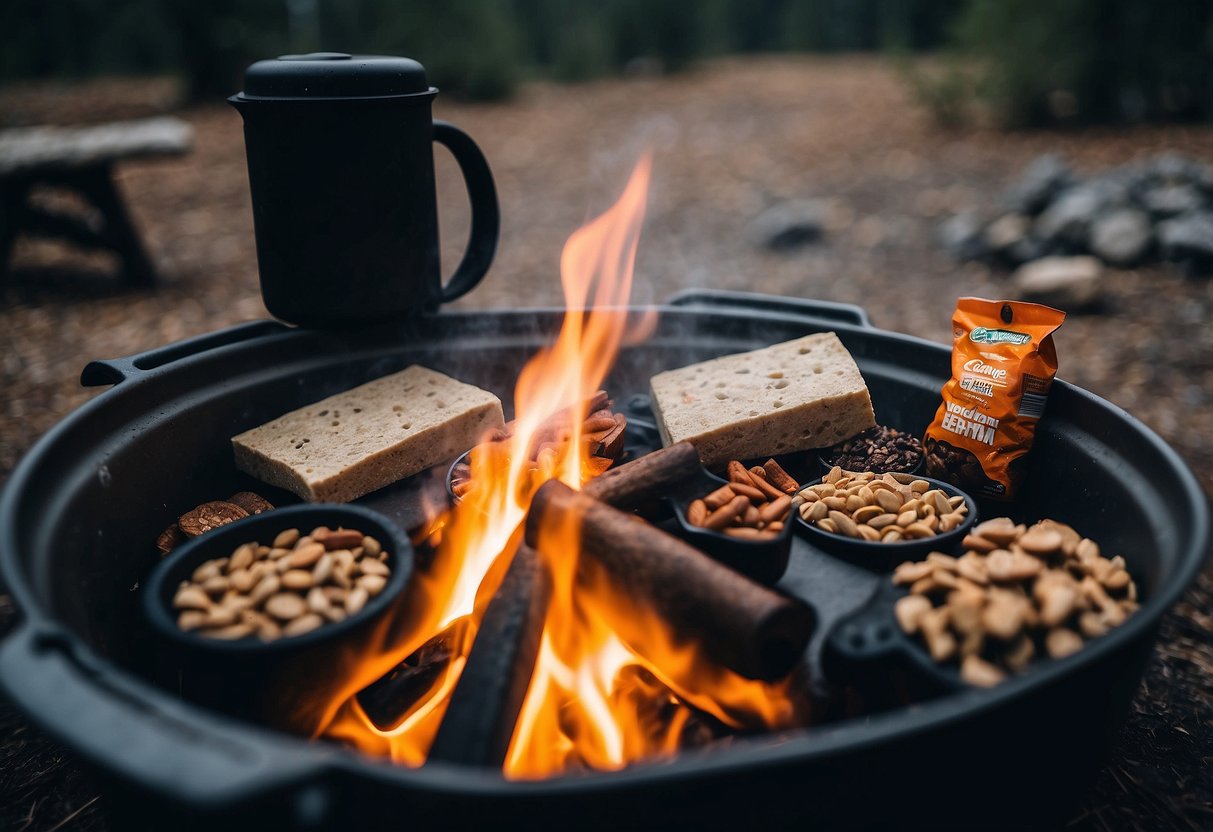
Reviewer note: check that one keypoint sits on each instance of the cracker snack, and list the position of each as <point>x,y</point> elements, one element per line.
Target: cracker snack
<point>801,394</point>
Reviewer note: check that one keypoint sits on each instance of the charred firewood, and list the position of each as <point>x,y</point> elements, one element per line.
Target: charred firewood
<point>485,704</point>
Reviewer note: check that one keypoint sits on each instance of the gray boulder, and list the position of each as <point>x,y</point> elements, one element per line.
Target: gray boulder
<point>1121,237</point>
<point>1178,169</point>
<point>791,224</point>
<point>961,236</point>
<point>1069,283</point>
<point>1066,223</point>
<point>1188,240</point>
<point>1114,189</point>
<point>1044,178</point>
<point>1010,238</point>
<point>1172,200</point>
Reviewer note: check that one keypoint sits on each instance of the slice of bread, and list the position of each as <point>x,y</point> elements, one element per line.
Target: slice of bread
<point>801,394</point>
<point>358,441</point>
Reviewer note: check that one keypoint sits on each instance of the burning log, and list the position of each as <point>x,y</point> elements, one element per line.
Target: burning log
<point>511,628</point>
<point>682,726</point>
<point>646,478</point>
<point>746,627</point>
<point>387,700</point>
<point>485,704</point>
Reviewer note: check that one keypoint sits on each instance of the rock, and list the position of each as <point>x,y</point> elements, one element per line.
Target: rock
<point>961,236</point>
<point>1188,240</point>
<point>1172,200</point>
<point>1114,189</point>
<point>1121,237</point>
<point>791,224</point>
<point>1069,283</point>
<point>1066,223</point>
<point>1011,239</point>
<point>1025,250</point>
<point>1178,169</point>
<point>1044,179</point>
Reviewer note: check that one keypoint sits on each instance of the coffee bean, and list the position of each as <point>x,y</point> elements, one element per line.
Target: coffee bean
<point>880,449</point>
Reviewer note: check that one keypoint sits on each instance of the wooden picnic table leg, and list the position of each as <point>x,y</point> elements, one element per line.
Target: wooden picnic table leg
<point>97,183</point>
<point>12,204</point>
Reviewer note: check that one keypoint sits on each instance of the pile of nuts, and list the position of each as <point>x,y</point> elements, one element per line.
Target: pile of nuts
<point>211,515</point>
<point>1016,590</point>
<point>287,589</point>
<point>753,506</point>
<point>880,449</point>
<point>889,508</point>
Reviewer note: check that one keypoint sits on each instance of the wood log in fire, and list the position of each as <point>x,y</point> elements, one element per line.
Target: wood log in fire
<point>628,486</point>
<point>487,699</point>
<point>744,626</point>
<point>645,478</point>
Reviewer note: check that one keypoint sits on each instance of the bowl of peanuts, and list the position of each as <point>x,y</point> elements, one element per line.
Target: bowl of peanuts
<point>265,613</point>
<point>880,520</point>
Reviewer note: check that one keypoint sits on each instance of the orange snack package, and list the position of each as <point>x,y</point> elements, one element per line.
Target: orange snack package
<point>1003,363</point>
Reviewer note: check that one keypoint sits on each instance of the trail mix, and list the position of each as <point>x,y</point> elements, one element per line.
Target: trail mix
<point>753,506</point>
<point>880,449</point>
<point>889,508</point>
<point>299,583</point>
<point>1017,591</point>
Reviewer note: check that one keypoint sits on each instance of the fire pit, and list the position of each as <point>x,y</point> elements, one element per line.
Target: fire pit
<point>79,512</point>
<point>567,664</point>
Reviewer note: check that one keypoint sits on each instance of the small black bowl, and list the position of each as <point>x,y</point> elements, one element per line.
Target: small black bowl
<point>462,459</point>
<point>763,560</point>
<point>286,682</point>
<point>885,556</point>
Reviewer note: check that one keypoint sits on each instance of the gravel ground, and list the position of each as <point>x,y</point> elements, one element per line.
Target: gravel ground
<point>730,140</point>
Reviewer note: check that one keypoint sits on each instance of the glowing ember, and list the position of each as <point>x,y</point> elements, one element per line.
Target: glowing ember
<point>612,684</point>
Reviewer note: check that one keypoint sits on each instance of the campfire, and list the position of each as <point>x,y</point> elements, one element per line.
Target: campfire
<point>619,643</point>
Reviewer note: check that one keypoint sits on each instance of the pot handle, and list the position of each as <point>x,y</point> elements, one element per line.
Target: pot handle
<point>486,217</point>
<point>107,371</point>
<point>110,721</point>
<point>846,313</point>
<point>867,650</point>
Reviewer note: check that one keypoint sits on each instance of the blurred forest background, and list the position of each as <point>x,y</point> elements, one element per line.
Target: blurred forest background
<point>1030,62</point>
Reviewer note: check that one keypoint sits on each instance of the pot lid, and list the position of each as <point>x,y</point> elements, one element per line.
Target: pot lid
<point>335,75</point>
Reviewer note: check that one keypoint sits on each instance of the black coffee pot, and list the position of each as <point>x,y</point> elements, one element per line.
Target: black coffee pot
<point>341,170</point>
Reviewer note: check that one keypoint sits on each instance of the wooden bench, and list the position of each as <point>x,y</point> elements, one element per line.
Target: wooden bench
<point>82,160</point>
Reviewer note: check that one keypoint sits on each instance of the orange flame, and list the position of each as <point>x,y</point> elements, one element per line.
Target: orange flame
<point>584,706</point>
<point>600,655</point>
